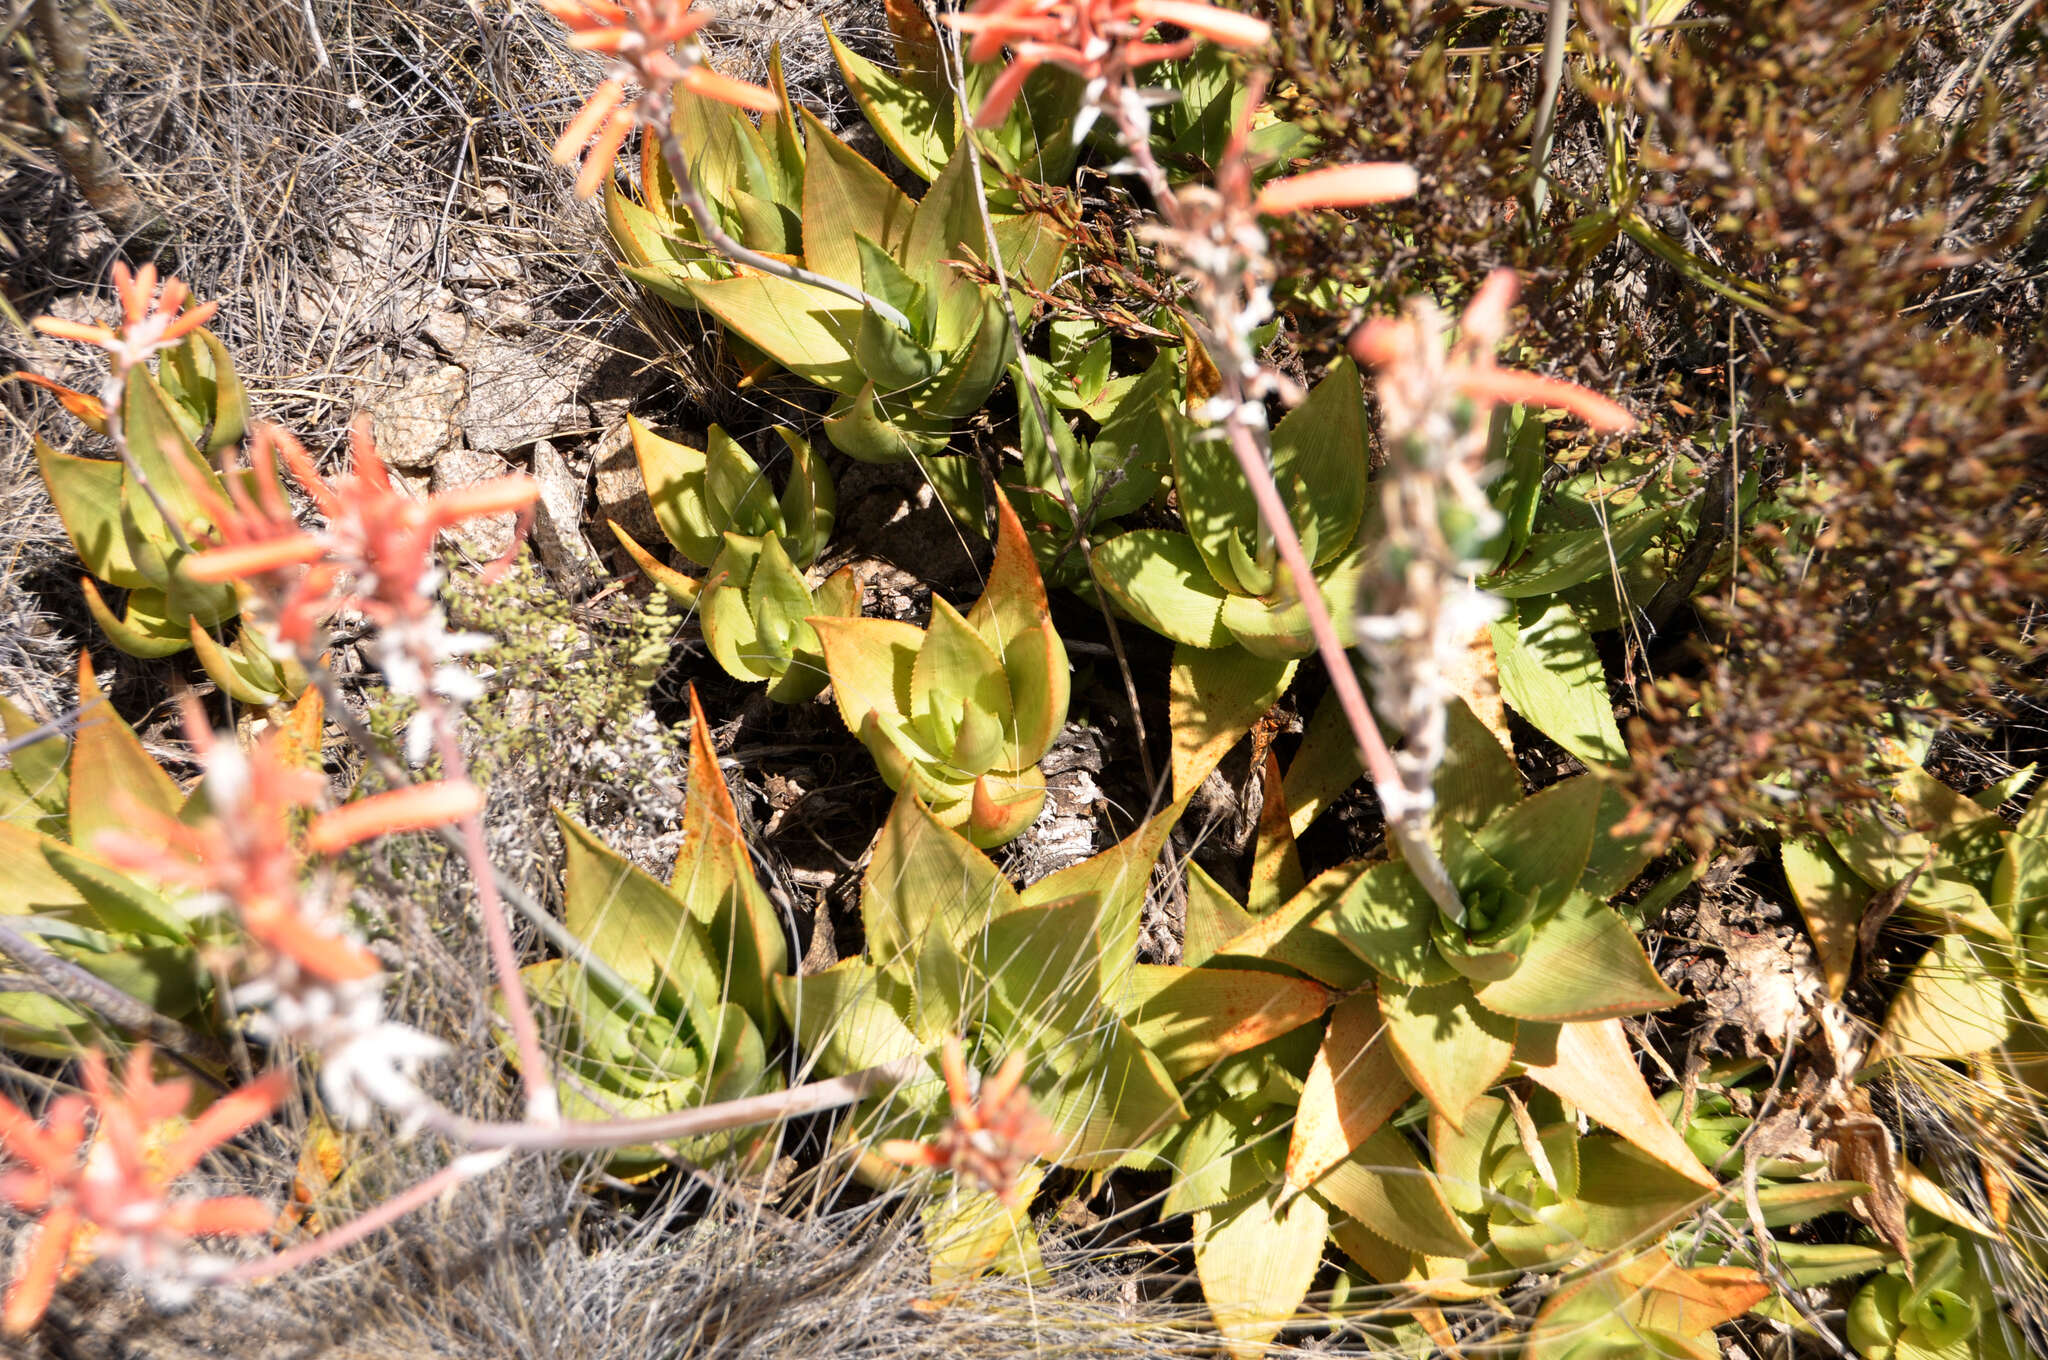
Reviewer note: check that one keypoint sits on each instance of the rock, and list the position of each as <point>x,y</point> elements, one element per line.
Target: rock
<point>517,396</point>
<point>418,422</point>
<point>483,539</point>
<point>558,520</point>
<point>448,331</point>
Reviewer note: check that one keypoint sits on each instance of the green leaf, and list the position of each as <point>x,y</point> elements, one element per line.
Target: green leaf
<point>1117,879</point>
<point>1384,917</point>
<point>39,764</point>
<point>633,923</point>
<point>113,901</point>
<point>87,494</point>
<point>844,198</point>
<point>810,501</point>
<point>1214,918</point>
<point>914,115</point>
<point>1304,935</point>
<point>1217,508</point>
<point>1451,1047</point>
<point>1628,1195</point>
<point>957,675</point>
<point>875,427</point>
<point>731,631</point>
<point>1544,840</point>
<point>1193,1018</point>
<point>1478,779</point>
<point>1215,695</point>
<point>1256,1260</point>
<point>1559,559</point>
<point>1584,963</point>
<point>1615,860</point>
<point>1831,900</point>
<point>842,1020</point>
<point>1156,577</point>
<point>243,678</point>
<point>1386,1188</point>
<point>1550,673</point>
<point>969,1233</point>
<point>871,662</point>
<point>737,497</point>
<point>163,451</point>
<point>923,878</point>
<point>808,331</point>
<point>1114,1097</point>
<point>1319,455</point>
<point>1327,763</point>
<point>1043,964</point>
<point>146,626</point>
<point>1589,1065</point>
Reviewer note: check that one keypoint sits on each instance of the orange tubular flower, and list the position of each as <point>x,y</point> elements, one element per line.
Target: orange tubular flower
<point>1339,186</point>
<point>409,809</point>
<point>115,1186</point>
<point>149,321</point>
<point>654,43</point>
<point>1099,40</point>
<point>993,1135</point>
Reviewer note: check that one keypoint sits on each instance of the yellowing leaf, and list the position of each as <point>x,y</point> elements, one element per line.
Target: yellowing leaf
<point>1215,697</point>
<point>1193,1018</point>
<point>1256,1260</point>
<point>112,777</point>
<point>1451,1047</point>
<point>1590,1066</point>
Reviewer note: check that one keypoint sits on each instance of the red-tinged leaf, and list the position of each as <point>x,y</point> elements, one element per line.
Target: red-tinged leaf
<point>300,732</point>
<point>1451,1047</point>
<point>715,881</point>
<point>1014,597</point>
<point>1592,1068</point>
<point>88,409</point>
<point>1276,861</point>
<point>1385,1186</point>
<point>1353,1087</point>
<point>1193,1018</point>
<point>871,661</point>
<point>1004,806</point>
<point>112,777</point>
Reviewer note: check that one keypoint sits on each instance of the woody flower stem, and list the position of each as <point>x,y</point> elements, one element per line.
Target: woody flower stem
<point>493,1143</point>
<point>541,1102</point>
<point>1248,443</point>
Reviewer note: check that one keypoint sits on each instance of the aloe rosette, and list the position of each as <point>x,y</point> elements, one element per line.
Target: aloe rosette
<point>718,509</point>
<point>961,711</point>
<point>193,405</point>
<point>1218,583</point>
<point>902,379</point>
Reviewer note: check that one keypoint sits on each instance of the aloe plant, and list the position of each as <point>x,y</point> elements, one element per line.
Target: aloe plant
<point>718,509</point>
<point>929,345</point>
<point>682,1011</point>
<point>961,711</point>
<point>1218,583</point>
<point>1117,471</point>
<point>144,938</point>
<point>1964,877</point>
<point>193,405</point>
